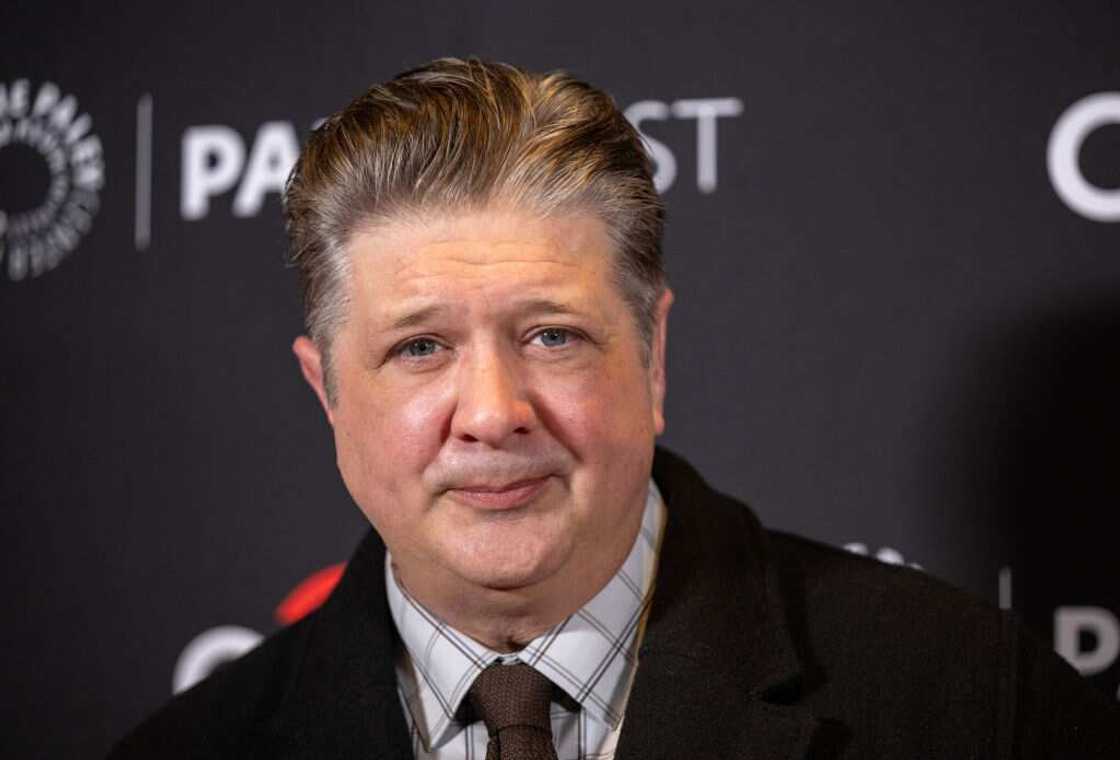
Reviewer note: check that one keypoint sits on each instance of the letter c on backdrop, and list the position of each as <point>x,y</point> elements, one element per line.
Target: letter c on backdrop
<point>1070,131</point>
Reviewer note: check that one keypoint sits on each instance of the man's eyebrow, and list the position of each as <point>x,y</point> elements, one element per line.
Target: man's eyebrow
<point>418,316</point>
<point>410,319</point>
<point>545,306</point>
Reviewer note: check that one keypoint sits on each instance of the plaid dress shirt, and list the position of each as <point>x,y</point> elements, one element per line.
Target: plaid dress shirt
<point>591,656</point>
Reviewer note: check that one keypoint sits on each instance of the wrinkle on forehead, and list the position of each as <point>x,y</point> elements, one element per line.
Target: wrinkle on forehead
<point>423,266</point>
<point>476,248</point>
<point>429,272</point>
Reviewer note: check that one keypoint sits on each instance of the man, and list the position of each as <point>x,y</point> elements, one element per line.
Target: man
<point>486,309</point>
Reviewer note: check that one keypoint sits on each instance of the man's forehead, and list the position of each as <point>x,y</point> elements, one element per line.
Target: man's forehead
<point>408,266</point>
<point>483,235</point>
<point>467,257</point>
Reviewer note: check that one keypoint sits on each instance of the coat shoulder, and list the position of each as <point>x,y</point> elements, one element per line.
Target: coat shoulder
<point>227,714</point>
<point>860,615</point>
<point>878,596</point>
<point>944,663</point>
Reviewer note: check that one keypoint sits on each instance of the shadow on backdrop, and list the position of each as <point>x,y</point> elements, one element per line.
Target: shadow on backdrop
<point>1034,463</point>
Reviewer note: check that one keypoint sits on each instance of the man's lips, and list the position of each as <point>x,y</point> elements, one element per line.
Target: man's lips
<point>509,496</point>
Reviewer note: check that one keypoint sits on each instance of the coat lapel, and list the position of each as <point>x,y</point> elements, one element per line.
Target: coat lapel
<point>716,655</point>
<point>342,701</point>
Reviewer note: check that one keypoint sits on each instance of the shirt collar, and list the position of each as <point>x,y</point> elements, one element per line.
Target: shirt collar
<point>591,656</point>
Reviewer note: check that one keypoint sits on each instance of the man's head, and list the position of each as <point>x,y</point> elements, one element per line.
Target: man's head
<point>480,254</point>
<point>460,135</point>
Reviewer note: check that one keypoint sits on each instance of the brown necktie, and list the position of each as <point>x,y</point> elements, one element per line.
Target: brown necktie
<point>513,702</point>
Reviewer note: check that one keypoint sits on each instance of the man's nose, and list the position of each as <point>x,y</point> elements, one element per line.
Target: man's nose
<point>493,402</point>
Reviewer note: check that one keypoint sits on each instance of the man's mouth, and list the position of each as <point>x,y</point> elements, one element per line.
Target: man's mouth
<point>499,497</point>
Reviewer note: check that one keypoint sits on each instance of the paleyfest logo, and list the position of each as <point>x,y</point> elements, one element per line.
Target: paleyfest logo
<point>38,233</point>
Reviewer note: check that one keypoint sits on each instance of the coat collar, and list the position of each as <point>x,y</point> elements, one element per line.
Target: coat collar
<point>715,655</point>
<point>341,701</point>
<point>717,668</point>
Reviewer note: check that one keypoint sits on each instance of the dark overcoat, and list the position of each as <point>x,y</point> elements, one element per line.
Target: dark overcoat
<point>760,644</point>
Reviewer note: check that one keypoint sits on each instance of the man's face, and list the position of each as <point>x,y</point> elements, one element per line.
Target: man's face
<point>494,418</point>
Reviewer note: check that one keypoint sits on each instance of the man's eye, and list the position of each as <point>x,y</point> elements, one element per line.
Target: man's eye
<point>419,348</point>
<point>554,337</point>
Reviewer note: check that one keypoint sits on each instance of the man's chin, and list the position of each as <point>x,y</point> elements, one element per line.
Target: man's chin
<point>508,578</point>
<point>511,583</point>
<point>502,570</point>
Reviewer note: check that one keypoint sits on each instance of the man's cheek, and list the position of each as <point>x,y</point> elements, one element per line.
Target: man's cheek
<point>351,464</point>
<point>594,426</point>
<point>417,414</point>
<point>610,400</point>
<point>576,409</point>
<point>411,436</point>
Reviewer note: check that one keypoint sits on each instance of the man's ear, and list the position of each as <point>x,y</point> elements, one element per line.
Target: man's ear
<point>657,359</point>
<point>311,365</point>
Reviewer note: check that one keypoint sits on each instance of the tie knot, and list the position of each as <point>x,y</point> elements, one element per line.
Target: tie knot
<point>511,695</point>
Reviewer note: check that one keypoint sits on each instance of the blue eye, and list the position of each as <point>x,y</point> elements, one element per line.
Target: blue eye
<point>419,348</point>
<point>554,337</point>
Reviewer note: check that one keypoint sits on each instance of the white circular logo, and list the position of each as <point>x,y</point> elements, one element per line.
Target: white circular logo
<point>209,650</point>
<point>1077,123</point>
<point>37,234</point>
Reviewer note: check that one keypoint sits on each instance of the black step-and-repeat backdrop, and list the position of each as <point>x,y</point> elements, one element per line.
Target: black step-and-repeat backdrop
<point>894,236</point>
